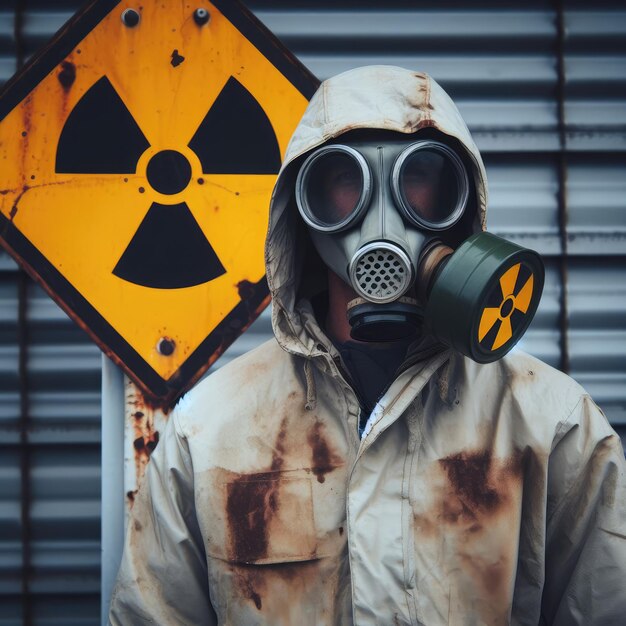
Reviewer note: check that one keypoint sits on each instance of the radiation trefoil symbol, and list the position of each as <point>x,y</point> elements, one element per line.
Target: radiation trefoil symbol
<point>169,249</point>
<point>506,307</point>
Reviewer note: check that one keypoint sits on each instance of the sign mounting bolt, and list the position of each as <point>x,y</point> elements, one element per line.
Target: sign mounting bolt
<point>130,18</point>
<point>201,16</point>
<point>166,346</point>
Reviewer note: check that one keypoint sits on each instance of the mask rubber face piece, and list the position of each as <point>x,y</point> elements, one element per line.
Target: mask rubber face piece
<point>374,243</point>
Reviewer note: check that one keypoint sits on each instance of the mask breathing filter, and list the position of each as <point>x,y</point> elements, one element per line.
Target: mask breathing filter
<point>381,273</point>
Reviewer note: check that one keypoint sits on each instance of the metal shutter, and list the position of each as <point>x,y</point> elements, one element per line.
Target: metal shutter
<point>542,86</point>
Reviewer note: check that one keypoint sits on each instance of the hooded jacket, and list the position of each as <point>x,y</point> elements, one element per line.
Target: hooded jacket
<point>480,494</point>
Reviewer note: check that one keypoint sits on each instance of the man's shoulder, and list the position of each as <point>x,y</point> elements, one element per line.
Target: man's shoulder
<point>243,382</point>
<point>525,388</point>
<point>256,364</point>
<point>528,375</point>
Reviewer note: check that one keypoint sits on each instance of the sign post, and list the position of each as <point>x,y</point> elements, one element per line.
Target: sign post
<point>113,468</point>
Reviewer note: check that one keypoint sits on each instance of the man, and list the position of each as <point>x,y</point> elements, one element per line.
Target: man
<point>354,469</point>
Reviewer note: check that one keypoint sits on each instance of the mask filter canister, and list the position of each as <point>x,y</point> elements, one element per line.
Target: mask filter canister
<point>481,298</point>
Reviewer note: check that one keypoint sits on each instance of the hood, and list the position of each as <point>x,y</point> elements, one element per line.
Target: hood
<point>373,97</point>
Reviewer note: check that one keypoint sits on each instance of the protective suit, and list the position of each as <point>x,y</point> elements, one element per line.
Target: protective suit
<point>478,494</point>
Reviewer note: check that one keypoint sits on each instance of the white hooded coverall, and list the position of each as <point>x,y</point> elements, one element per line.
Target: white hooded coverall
<point>483,494</point>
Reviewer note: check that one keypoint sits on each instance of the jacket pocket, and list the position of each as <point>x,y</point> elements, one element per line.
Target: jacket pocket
<point>270,518</point>
<point>265,518</point>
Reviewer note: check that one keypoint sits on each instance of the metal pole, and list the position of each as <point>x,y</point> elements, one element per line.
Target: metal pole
<point>112,464</point>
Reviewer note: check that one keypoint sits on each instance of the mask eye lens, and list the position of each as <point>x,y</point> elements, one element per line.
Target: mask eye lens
<point>433,187</point>
<point>331,188</point>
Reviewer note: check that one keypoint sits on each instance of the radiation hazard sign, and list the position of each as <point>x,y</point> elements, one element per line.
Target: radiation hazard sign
<point>138,154</point>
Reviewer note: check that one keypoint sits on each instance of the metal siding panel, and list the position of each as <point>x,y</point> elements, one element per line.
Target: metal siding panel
<point>414,28</point>
<point>595,58</point>
<point>522,200</point>
<point>10,548</point>
<point>7,45</point>
<point>596,205</point>
<point>64,460</point>
<point>597,333</point>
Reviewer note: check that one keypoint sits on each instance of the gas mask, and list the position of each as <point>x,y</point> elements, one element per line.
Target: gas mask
<point>379,213</point>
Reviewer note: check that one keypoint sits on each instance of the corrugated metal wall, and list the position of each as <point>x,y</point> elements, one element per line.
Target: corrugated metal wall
<point>542,86</point>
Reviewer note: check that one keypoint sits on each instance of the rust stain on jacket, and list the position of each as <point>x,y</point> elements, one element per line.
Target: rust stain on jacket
<point>255,582</point>
<point>478,495</point>
<point>481,482</point>
<point>469,475</point>
<point>248,581</point>
<point>323,459</point>
<point>252,501</point>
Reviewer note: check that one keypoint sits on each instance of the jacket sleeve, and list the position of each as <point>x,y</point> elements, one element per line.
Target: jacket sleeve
<point>586,525</point>
<point>163,575</point>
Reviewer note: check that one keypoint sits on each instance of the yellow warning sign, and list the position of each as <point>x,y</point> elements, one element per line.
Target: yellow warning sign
<point>138,155</point>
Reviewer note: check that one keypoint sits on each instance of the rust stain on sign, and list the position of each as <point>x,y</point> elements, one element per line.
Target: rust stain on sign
<point>246,289</point>
<point>177,58</point>
<point>67,75</point>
